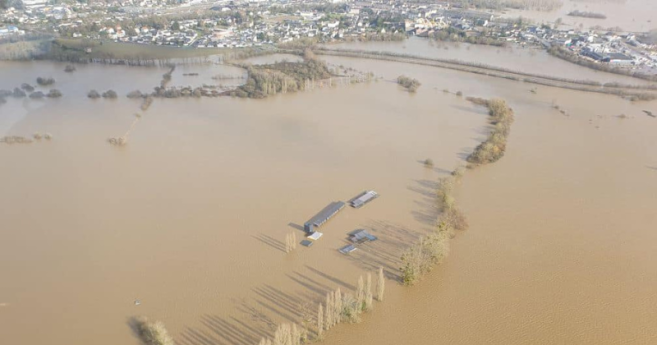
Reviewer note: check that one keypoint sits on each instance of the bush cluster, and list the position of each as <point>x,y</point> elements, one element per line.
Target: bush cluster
<point>37,95</point>
<point>153,332</point>
<point>409,84</point>
<point>27,87</point>
<point>93,94</point>
<point>45,81</point>
<point>18,93</point>
<point>54,93</point>
<point>111,94</point>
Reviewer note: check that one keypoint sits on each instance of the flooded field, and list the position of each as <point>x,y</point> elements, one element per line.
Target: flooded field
<point>561,247</point>
<point>190,217</point>
<point>527,60</point>
<point>629,15</point>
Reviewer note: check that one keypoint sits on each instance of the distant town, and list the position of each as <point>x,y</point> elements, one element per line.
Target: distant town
<point>236,24</point>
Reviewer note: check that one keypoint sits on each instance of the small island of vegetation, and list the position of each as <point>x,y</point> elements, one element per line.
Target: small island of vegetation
<point>93,94</point>
<point>27,87</point>
<point>54,93</point>
<point>111,94</point>
<point>45,81</point>
<point>18,93</point>
<point>37,95</point>
<point>282,77</point>
<point>409,84</point>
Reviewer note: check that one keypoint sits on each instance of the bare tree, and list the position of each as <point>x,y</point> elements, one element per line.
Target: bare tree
<point>320,322</point>
<point>338,306</point>
<point>288,243</point>
<point>296,335</point>
<point>380,285</point>
<point>307,319</point>
<point>350,309</point>
<point>360,294</point>
<point>282,335</point>
<point>329,311</point>
<point>368,292</point>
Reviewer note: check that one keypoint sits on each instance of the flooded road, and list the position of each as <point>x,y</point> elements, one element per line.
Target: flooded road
<point>190,217</point>
<point>516,58</point>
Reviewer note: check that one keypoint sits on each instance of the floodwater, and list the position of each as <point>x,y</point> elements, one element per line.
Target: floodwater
<point>629,15</point>
<point>273,58</point>
<point>561,247</point>
<point>190,217</point>
<point>516,58</point>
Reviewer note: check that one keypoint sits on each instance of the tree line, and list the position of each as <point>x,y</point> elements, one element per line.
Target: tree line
<point>421,257</point>
<point>586,14</point>
<point>501,118</point>
<point>455,35</point>
<point>338,308</point>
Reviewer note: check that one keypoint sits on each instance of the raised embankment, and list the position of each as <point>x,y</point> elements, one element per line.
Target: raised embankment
<point>647,91</point>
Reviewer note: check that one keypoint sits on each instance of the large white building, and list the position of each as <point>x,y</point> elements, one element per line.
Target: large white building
<point>34,3</point>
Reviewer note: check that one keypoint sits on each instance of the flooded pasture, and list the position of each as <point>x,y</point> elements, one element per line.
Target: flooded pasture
<point>561,246</point>
<point>190,217</point>
<point>529,60</point>
<point>629,15</point>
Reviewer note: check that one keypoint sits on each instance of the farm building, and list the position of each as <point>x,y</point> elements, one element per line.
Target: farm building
<point>323,216</point>
<point>361,236</point>
<point>363,198</point>
<point>347,249</point>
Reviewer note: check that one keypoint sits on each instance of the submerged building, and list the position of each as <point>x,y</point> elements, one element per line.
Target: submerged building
<point>323,216</point>
<point>363,198</point>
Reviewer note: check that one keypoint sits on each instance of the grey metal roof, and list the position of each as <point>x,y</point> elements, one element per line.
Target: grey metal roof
<point>325,214</point>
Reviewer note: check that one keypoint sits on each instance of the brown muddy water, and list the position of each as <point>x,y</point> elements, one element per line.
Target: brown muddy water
<point>516,58</point>
<point>562,247</point>
<point>629,15</point>
<point>190,217</point>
